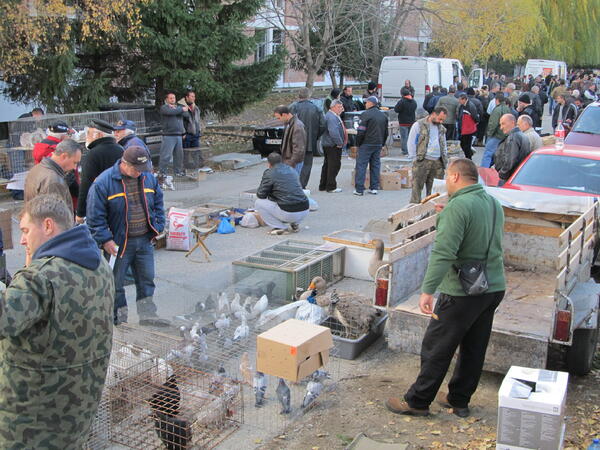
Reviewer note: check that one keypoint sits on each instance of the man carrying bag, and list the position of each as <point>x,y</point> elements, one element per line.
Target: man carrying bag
<point>469,234</point>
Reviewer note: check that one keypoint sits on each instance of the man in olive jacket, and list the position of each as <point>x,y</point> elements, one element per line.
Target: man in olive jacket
<point>465,227</point>
<point>494,132</point>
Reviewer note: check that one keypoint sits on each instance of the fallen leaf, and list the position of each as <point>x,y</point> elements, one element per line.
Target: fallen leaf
<point>407,419</point>
<point>322,435</point>
<point>391,422</point>
<point>258,441</point>
<point>450,444</point>
<point>436,432</point>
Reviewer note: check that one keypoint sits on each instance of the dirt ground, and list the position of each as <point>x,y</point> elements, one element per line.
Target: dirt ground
<point>356,405</point>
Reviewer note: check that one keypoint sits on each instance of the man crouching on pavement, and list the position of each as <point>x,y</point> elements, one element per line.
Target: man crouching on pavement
<point>465,230</point>
<point>55,332</point>
<point>280,198</point>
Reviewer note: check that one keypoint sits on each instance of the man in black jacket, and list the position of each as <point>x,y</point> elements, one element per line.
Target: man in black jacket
<point>512,150</point>
<point>314,126</point>
<point>405,108</point>
<point>280,198</point>
<point>468,118</point>
<point>103,153</point>
<point>525,107</point>
<point>565,111</point>
<point>347,100</point>
<point>372,135</point>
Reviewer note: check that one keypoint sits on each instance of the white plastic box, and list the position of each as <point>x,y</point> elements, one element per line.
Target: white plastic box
<point>531,409</point>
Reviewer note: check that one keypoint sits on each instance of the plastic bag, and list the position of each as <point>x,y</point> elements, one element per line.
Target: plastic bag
<point>310,312</point>
<point>225,226</point>
<point>249,220</point>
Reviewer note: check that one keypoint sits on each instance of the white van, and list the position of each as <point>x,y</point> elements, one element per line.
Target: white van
<point>423,72</point>
<point>545,67</point>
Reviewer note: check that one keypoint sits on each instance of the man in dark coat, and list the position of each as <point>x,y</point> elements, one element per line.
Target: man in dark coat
<point>314,125</point>
<point>405,108</point>
<point>512,150</point>
<point>103,153</point>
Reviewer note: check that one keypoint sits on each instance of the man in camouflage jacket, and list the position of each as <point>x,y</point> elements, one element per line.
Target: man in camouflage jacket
<point>55,332</point>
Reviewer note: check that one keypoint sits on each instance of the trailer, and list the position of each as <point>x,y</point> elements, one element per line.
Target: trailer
<point>549,315</point>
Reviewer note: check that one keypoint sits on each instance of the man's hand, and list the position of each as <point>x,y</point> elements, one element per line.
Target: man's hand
<point>185,108</point>
<point>27,258</point>
<point>110,247</point>
<point>438,207</point>
<point>79,220</point>
<point>426,303</point>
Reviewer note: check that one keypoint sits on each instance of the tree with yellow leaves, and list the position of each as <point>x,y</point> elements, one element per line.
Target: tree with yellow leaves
<point>479,29</point>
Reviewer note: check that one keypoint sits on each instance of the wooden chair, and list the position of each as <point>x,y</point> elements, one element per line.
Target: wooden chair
<point>201,233</point>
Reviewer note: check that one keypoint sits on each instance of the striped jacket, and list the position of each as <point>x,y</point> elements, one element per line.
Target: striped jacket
<point>107,207</point>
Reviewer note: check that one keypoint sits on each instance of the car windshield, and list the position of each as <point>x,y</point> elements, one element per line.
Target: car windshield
<point>561,172</point>
<point>589,121</point>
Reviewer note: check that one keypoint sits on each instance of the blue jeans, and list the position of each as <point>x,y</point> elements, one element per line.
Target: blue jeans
<point>491,145</point>
<point>368,154</point>
<point>139,254</point>
<point>191,140</point>
<point>299,167</point>
<point>404,137</point>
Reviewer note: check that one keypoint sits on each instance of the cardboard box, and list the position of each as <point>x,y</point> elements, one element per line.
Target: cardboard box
<point>293,349</point>
<point>6,226</point>
<point>531,409</point>
<point>405,177</point>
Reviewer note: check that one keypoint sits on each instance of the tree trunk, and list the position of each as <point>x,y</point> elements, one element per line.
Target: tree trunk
<point>311,74</point>
<point>334,83</point>
<point>341,79</point>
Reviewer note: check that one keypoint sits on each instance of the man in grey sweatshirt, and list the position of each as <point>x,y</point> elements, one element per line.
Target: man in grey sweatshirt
<point>171,149</point>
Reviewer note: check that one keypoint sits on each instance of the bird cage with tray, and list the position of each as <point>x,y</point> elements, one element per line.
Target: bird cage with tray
<point>153,397</point>
<point>291,265</point>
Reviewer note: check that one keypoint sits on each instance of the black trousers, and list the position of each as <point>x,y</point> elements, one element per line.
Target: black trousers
<point>465,323</point>
<point>466,140</point>
<point>332,162</point>
<point>450,130</point>
<point>306,169</point>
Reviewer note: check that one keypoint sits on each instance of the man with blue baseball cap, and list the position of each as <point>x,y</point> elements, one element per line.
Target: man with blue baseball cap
<point>126,137</point>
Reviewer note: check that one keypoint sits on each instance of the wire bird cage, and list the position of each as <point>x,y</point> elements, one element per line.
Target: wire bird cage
<point>154,399</point>
<point>291,265</point>
<point>28,131</point>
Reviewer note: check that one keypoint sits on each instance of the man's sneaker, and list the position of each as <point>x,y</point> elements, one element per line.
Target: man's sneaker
<point>397,406</point>
<point>357,193</point>
<point>277,231</point>
<point>372,191</point>
<point>442,400</point>
<point>335,191</point>
<point>294,227</point>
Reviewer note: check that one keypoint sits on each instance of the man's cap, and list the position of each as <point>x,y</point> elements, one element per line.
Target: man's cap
<point>138,158</point>
<point>525,98</point>
<point>59,127</point>
<point>125,125</point>
<point>101,125</point>
<point>373,100</point>
<point>470,91</point>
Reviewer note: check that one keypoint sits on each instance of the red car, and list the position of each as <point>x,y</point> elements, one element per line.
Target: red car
<point>575,170</point>
<point>586,130</point>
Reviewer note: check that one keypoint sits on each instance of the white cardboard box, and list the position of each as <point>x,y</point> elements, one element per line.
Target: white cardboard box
<point>531,409</point>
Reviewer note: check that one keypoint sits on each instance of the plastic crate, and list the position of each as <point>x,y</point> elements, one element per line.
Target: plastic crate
<point>352,348</point>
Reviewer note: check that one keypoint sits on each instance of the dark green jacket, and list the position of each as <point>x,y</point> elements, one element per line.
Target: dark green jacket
<point>493,128</point>
<point>463,230</point>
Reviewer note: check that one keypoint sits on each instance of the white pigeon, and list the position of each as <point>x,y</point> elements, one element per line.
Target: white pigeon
<point>222,324</point>
<point>223,304</point>
<point>261,306</point>
<point>313,390</point>
<point>199,341</point>
<point>235,304</point>
<point>275,316</point>
<point>242,331</point>
<point>248,303</point>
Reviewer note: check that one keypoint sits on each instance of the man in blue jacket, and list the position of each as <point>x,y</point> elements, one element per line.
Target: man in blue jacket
<point>125,213</point>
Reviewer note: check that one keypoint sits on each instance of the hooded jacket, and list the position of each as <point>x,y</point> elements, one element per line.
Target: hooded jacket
<point>56,322</point>
<point>405,108</point>
<point>107,207</point>
<point>191,119</point>
<point>47,177</point>
<point>44,148</point>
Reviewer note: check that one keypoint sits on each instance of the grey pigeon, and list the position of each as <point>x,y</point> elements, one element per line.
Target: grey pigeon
<point>283,394</point>
<point>313,390</point>
<point>260,387</point>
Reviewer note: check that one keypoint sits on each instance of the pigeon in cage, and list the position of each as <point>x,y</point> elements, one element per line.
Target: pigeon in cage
<point>354,313</point>
<point>174,432</point>
<point>272,317</point>
<point>209,303</point>
<point>320,375</point>
<point>222,324</point>
<point>215,384</point>
<point>284,396</point>
<point>377,261</point>
<point>223,304</point>
<point>313,390</point>
<point>235,304</point>
<point>260,387</point>
<point>242,331</point>
<point>200,352</point>
<point>248,304</point>
<point>260,306</point>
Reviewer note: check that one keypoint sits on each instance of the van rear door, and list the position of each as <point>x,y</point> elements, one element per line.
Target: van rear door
<point>476,78</point>
<point>394,71</point>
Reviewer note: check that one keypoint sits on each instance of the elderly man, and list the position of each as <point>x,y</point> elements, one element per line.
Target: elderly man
<point>333,141</point>
<point>125,213</point>
<point>525,124</point>
<point>281,202</point>
<point>427,149</point>
<point>293,145</point>
<point>126,137</point>
<point>511,94</point>
<point>469,228</point>
<point>103,153</point>
<point>55,332</point>
<point>512,150</point>
<point>49,176</point>
<point>314,126</point>
<point>171,148</point>
<point>372,135</point>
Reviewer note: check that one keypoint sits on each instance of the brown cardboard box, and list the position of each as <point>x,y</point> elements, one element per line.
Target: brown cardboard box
<point>293,349</point>
<point>389,181</point>
<point>405,177</point>
<point>6,226</point>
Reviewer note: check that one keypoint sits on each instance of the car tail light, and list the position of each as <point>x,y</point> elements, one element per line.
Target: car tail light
<point>379,86</point>
<point>562,325</point>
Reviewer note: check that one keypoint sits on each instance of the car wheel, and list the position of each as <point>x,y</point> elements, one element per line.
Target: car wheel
<point>580,355</point>
<point>319,149</point>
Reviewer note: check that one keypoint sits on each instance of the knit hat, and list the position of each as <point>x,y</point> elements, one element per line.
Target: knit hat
<point>138,158</point>
<point>524,98</point>
<point>101,125</point>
